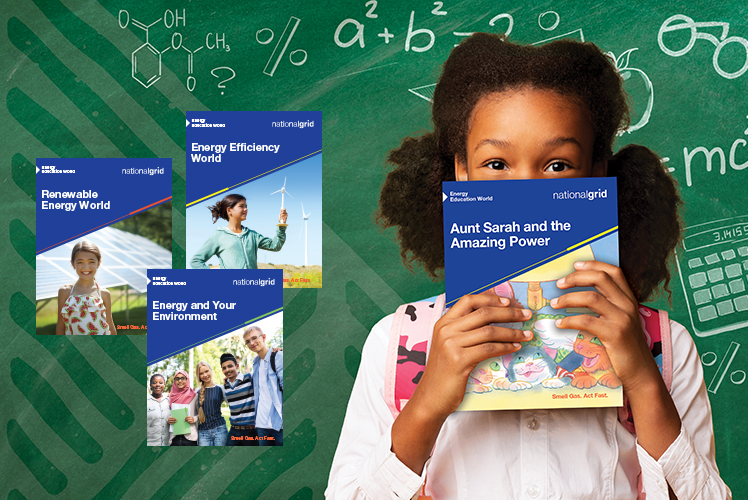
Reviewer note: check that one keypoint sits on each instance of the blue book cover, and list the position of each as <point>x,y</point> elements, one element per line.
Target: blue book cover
<point>265,163</point>
<point>100,224</point>
<point>515,239</point>
<point>195,318</point>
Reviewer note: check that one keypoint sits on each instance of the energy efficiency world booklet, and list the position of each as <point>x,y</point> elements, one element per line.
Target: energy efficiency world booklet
<point>273,160</point>
<point>515,239</point>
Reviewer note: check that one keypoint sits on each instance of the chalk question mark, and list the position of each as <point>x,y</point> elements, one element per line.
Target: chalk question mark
<point>221,83</point>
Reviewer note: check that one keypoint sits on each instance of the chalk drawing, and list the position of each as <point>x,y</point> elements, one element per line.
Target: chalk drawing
<point>553,24</point>
<point>437,11</point>
<point>709,155</point>
<point>222,82</point>
<point>282,46</point>
<point>425,92</point>
<point>622,65</point>
<point>147,61</point>
<point>737,377</point>
<point>680,22</point>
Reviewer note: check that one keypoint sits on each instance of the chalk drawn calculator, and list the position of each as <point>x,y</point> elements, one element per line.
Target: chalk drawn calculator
<point>713,268</point>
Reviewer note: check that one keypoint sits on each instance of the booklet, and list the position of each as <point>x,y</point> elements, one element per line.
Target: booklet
<point>100,223</point>
<point>515,239</point>
<point>181,426</point>
<point>196,317</point>
<point>254,192</point>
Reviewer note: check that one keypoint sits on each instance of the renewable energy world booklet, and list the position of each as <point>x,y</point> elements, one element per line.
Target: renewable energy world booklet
<point>515,239</point>
<point>118,210</point>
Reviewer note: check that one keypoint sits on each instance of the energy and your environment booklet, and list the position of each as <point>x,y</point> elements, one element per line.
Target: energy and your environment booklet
<point>515,239</point>
<point>273,160</point>
<point>194,317</point>
<point>119,208</point>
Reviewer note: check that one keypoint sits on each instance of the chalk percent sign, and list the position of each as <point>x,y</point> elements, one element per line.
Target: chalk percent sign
<point>737,377</point>
<point>265,35</point>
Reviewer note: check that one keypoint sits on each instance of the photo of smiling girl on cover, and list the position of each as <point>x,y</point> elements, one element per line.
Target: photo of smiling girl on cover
<point>235,245</point>
<point>83,308</point>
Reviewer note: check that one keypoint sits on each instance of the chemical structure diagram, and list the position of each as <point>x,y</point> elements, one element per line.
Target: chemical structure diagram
<point>146,59</point>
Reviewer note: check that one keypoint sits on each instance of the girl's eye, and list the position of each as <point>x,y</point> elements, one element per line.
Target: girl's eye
<point>496,165</point>
<point>558,166</point>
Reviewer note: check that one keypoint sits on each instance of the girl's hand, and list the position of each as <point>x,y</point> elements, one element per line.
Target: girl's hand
<point>462,338</point>
<point>283,216</point>
<point>619,329</point>
<point>618,326</point>
<point>276,349</point>
<point>189,420</point>
<point>171,420</point>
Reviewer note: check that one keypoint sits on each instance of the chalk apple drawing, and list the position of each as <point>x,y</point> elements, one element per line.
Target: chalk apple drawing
<point>622,65</point>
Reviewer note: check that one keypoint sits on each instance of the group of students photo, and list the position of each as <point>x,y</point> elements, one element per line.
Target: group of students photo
<point>254,398</point>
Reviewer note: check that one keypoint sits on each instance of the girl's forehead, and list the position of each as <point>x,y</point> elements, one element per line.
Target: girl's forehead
<point>84,255</point>
<point>541,114</point>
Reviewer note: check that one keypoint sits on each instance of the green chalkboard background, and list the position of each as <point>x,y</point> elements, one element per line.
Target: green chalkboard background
<point>73,416</point>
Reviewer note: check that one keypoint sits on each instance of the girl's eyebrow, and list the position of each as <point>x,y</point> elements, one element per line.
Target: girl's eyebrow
<point>560,141</point>
<point>499,143</point>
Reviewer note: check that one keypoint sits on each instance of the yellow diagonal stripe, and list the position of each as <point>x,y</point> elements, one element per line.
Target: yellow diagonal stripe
<point>251,178</point>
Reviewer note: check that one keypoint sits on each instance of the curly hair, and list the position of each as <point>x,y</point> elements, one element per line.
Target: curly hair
<point>483,64</point>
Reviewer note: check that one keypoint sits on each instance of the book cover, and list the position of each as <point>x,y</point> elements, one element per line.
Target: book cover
<point>515,239</point>
<point>197,318</point>
<point>254,192</point>
<point>100,224</point>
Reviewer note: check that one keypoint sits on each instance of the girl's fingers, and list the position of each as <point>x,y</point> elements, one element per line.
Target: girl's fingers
<point>601,281</point>
<point>487,315</point>
<point>582,322</point>
<point>614,273</point>
<point>482,352</point>
<point>588,299</point>
<point>490,334</point>
<point>469,303</point>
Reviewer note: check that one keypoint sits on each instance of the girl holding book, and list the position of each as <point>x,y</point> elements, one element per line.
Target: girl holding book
<point>182,393</point>
<point>235,245</point>
<point>504,111</point>
<point>83,308</point>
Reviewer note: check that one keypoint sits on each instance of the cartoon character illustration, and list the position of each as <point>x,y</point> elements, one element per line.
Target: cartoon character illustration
<point>596,367</point>
<point>528,367</point>
<point>555,339</point>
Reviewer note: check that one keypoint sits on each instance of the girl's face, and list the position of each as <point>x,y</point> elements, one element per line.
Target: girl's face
<point>157,386</point>
<point>85,264</point>
<point>528,134</point>
<point>205,375</point>
<point>239,211</point>
<point>180,380</point>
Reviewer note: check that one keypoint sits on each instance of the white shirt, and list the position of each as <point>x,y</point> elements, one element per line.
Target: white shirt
<point>265,405</point>
<point>530,454</point>
<point>156,420</point>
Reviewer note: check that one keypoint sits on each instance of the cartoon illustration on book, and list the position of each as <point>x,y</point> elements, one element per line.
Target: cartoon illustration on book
<point>555,358</point>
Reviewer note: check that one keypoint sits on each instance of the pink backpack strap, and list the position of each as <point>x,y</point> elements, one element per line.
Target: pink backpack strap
<point>656,327</point>
<point>407,349</point>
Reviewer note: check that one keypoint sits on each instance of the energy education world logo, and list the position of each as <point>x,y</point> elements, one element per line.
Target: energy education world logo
<point>161,280</point>
<point>200,122</point>
<point>51,169</point>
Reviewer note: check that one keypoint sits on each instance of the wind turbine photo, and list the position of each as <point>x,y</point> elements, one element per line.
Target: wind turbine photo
<point>283,192</point>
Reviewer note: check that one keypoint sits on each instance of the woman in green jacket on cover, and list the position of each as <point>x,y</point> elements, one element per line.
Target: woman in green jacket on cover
<point>236,246</point>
